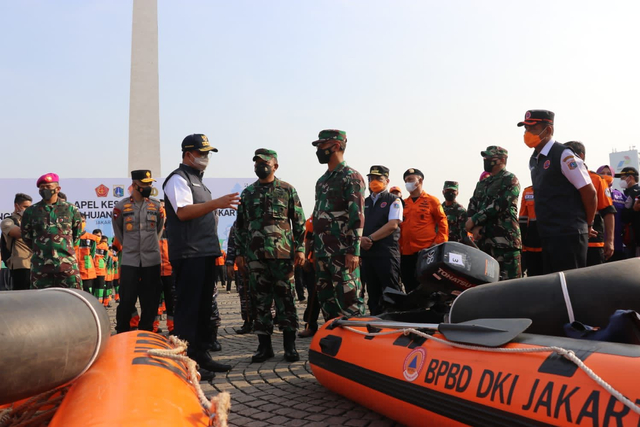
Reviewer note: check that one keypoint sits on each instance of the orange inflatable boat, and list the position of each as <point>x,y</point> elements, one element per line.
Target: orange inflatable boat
<point>128,387</point>
<point>418,376</point>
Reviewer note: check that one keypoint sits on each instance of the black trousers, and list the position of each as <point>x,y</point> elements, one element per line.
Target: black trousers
<point>194,281</point>
<point>408,265</point>
<point>221,274</point>
<point>595,256</point>
<point>567,252</point>
<point>21,279</point>
<point>299,282</point>
<point>167,290</point>
<point>312,312</point>
<point>143,283</point>
<point>532,261</point>
<point>380,273</point>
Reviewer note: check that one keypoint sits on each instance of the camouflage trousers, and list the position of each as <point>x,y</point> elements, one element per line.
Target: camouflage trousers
<point>509,260</point>
<point>66,279</point>
<point>272,281</point>
<point>216,320</point>
<point>242,285</point>
<point>338,290</point>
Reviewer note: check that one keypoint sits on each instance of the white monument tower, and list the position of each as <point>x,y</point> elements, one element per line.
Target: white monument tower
<point>144,104</point>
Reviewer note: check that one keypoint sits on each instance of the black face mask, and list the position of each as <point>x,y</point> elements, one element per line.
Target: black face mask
<point>489,164</point>
<point>324,155</point>
<point>449,197</point>
<point>145,191</point>
<point>262,170</point>
<point>46,193</point>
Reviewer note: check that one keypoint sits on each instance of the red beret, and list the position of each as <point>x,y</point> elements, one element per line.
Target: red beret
<point>47,178</point>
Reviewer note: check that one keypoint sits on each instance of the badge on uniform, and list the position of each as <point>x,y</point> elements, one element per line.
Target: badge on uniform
<point>116,213</point>
<point>547,164</point>
<point>129,227</point>
<point>383,205</point>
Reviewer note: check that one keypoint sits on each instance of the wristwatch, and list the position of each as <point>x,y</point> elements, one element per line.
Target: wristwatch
<point>369,237</point>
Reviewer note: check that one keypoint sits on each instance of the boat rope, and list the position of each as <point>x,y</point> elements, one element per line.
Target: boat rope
<point>36,411</point>
<point>218,406</point>
<point>567,354</point>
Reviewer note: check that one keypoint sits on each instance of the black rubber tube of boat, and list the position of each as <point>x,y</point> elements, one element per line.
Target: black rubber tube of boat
<point>48,337</point>
<point>594,294</point>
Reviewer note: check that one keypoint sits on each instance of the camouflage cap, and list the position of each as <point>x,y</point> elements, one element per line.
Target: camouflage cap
<point>450,185</point>
<point>265,154</point>
<point>329,134</point>
<point>494,151</point>
<point>47,178</point>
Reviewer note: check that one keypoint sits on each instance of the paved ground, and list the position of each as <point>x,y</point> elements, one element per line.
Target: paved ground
<point>276,392</point>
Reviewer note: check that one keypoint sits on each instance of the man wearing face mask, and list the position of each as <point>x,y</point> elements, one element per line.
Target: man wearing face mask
<point>493,213</point>
<point>456,214</point>
<point>192,234</point>
<point>631,212</point>
<point>424,225</point>
<point>20,261</point>
<point>618,198</point>
<point>50,228</point>
<point>138,223</point>
<point>565,197</point>
<point>338,220</point>
<point>270,237</point>
<point>600,247</point>
<point>379,246</point>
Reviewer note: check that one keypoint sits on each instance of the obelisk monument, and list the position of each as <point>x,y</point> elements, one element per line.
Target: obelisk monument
<point>144,104</point>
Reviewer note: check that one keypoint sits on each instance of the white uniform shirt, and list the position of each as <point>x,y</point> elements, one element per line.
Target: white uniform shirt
<point>395,211</point>
<point>572,166</point>
<point>178,192</point>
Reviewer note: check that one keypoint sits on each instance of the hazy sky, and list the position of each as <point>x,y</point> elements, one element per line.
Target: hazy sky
<point>423,84</point>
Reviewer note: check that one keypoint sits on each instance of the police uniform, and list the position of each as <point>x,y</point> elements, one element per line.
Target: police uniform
<point>456,215</point>
<point>269,230</point>
<point>531,246</point>
<point>20,261</point>
<point>138,227</point>
<point>338,221</point>
<point>557,175</point>
<point>51,230</point>
<point>631,217</point>
<point>381,262</point>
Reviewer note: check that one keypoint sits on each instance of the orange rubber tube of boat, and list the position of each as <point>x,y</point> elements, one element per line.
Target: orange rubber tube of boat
<point>128,387</point>
<point>419,382</point>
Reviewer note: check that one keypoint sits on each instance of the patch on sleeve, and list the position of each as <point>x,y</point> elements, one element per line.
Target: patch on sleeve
<point>116,213</point>
<point>572,165</point>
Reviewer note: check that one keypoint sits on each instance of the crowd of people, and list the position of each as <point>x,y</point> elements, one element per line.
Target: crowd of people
<point>351,244</point>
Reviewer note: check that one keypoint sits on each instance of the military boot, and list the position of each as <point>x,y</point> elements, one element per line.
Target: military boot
<point>245,329</point>
<point>290,352</point>
<point>215,345</point>
<point>265,350</point>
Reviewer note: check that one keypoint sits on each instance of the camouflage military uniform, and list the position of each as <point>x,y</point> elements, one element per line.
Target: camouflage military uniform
<point>242,283</point>
<point>456,217</point>
<point>494,207</point>
<point>338,220</point>
<point>269,229</point>
<point>51,232</point>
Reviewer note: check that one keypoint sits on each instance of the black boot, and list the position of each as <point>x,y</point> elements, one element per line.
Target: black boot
<point>205,361</point>
<point>215,345</point>
<point>245,329</point>
<point>206,375</point>
<point>290,352</point>
<point>265,350</point>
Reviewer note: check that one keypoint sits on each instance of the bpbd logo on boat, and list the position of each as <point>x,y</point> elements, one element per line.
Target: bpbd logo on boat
<point>413,363</point>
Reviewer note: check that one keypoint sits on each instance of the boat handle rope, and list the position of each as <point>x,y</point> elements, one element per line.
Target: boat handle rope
<point>567,354</point>
<point>96,350</point>
<point>567,299</point>
<point>218,406</point>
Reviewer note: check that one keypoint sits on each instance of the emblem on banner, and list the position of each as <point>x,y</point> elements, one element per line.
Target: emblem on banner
<point>102,190</point>
<point>118,191</point>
